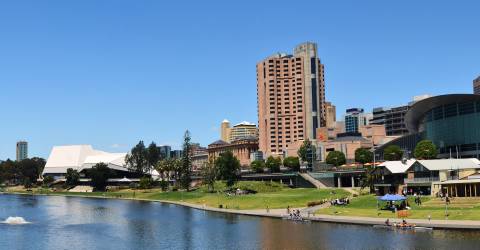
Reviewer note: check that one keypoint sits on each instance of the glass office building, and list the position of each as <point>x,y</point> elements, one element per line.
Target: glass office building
<point>451,122</point>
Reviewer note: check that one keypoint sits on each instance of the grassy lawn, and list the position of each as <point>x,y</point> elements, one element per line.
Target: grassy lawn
<point>268,194</point>
<point>366,205</point>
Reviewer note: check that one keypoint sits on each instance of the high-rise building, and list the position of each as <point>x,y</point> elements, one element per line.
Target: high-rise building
<point>476,86</point>
<point>394,118</point>
<point>356,118</point>
<point>290,98</point>
<point>165,151</point>
<point>22,150</point>
<point>225,130</point>
<point>237,132</point>
<point>242,131</point>
<point>331,115</point>
<point>176,154</point>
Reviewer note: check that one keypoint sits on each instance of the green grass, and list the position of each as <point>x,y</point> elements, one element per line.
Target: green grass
<point>366,206</point>
<point>268,194</point>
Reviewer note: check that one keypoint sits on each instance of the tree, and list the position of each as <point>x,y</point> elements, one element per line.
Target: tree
<point>425,149</point>
<point>153,154</point>
<point>336,158</point>
<point>306,152</point>
<point>392,153</point>
<point>47,180</point>
<point>209,174</point>
<point>146,182</point>
<point>137,159</point>
<point>99,175</point>
<point>30,169</point>
<point>72,177</point>
<point>257,166</point>
<point>292,162</point>
<point>273,163</point>
<point>363,155</point>
<point>228,167</point>
<point>185,173</point>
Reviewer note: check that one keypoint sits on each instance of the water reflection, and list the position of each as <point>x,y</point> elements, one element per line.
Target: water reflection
<point>79,223</point>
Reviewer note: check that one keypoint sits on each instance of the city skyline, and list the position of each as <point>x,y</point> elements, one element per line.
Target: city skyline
<point>83,82</point>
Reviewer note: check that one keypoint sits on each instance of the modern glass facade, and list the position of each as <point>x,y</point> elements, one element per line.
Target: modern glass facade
<point>454,128</point>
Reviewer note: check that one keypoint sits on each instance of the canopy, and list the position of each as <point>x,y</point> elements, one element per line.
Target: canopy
<point>392,197</point>
<point>124,179</point>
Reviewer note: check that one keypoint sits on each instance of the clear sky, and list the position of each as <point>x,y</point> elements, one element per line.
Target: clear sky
<point>110,73</point>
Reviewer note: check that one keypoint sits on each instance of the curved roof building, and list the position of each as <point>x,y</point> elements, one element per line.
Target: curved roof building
<point>451,122</point>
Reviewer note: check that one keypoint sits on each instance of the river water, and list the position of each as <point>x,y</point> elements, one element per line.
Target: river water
<point>83,223</point>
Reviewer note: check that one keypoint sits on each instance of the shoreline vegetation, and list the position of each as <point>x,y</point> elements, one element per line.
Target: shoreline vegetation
<point>271,200</point>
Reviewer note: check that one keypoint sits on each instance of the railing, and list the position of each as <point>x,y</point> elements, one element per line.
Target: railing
<point>450,178</point>
<point>421,180</point>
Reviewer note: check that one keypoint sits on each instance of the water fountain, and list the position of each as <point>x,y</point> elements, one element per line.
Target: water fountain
<point>14,220</point>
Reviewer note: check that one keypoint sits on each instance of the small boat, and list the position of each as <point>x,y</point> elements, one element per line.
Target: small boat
<point>407,227</point>
<point>296,219</point>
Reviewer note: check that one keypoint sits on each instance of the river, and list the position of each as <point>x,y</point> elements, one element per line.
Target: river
<point>57,222</point>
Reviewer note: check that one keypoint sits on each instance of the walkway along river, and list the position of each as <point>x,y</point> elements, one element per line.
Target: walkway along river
<point>57,222</point>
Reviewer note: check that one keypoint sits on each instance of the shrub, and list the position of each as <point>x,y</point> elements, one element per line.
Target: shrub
<point>146,183</point>
<point>292,163</point>
<point>314,203</point>
<point>47,180</point>
<point>273,163</point>
<point>163,185</point>
<point>257,166</point>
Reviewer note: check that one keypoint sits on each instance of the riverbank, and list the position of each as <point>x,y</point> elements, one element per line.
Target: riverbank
<point>281,213</point>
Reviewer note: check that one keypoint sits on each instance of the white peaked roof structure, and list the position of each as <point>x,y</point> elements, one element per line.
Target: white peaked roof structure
<point>80,157</point>
<point>397,167</point>
<point>450,164</point>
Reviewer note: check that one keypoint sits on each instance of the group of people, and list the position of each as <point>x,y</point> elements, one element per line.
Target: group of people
<point>341,201</point>
<point>444,197</point>
<point>402,224</point>
<point>294,214</point>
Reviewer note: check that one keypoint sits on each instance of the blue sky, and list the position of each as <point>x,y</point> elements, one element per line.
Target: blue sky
<point>110,73</point>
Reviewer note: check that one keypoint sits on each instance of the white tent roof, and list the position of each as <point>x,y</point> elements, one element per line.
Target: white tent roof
<point>79,157</point>
<point>397,167</point>
<point>450,164</point>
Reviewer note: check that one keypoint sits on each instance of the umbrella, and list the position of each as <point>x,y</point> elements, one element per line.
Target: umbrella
<point>392,197</point>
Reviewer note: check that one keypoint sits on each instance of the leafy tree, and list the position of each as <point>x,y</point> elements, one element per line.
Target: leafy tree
<point>72,177</point>
<point>47,180</point>
<point>257,166</point>
<point>9,172</point>
<point>27,183</point>
<point>273,163</point>
<point>425,149</point>
<point>306,152</point>
<point>209,174</point>
<point>99,175</point>
<point>370,178</point>
<point>153,154</point>
<point>392,153</point>
<point>146,182</point>
<point>228,168</point>
<point>30,168</point>
<point>137,159</point>
<point>363,155</point>
<point>185,171</point>
<point>336,158</point>
<point>292,162</point>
